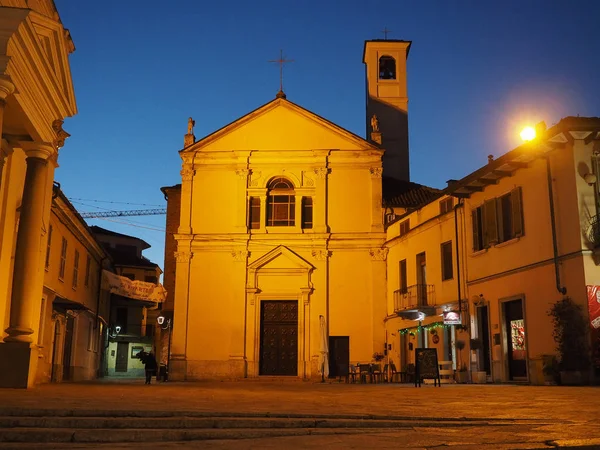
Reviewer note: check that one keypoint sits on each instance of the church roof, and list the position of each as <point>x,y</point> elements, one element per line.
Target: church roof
<point>407,194</point>
<point>280,101</point>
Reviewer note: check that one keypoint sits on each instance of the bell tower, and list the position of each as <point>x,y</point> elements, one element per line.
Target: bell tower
<point>387,102</point>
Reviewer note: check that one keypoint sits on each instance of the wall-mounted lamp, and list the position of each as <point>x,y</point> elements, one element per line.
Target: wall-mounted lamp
<point>118,329</point>
<point>590,178</point>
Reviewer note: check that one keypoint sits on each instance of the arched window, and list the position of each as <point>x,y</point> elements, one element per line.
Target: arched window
<point>387,68</point>
<point>281,203</point>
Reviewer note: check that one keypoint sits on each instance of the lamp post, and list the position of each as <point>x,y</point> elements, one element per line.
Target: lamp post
<point>167,326</point>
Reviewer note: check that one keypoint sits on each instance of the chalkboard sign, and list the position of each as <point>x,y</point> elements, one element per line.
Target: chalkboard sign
<point>426,366</point>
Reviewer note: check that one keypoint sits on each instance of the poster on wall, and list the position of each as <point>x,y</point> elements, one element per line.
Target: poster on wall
<point>593,295</point>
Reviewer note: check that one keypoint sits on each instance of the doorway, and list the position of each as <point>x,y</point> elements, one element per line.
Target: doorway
<point>68,349</point>
<point>278,338</point>
<point>339,355</point>
<point>483,331</point>
<point>514,328</point>
<point>122,357</point>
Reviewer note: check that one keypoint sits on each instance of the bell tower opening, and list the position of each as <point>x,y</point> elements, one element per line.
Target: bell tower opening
<point>387,68</point>
<point>387,101</point>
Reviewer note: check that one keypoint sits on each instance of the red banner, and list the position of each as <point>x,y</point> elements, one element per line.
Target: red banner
<point>593,294</point>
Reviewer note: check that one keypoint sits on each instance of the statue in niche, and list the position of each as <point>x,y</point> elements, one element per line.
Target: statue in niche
<point>191,124</point>
<point>375,123</point>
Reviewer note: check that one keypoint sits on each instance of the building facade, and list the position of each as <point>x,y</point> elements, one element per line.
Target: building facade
<point>36,95</point>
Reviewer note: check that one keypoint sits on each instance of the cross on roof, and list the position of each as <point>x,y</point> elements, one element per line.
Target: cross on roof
<point>281,61</point>
<point>385,32</point>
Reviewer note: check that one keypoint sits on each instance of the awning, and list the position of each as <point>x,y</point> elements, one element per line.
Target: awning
<point>65,303</point>
<point>135,289</point>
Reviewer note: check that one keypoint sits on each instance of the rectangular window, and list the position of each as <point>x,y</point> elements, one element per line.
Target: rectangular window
<point>404,227</point>
<point>88,264</point>
<point>447,267</point>
<point>76,269</point>
<point>48,246</point>
<point>254,216</point>
<point>446,205</point>
<point>403,280</point>
<point>128,275</point>
<point>497,220</point>
<point>281,211</point>
<point>121,320</point>
<point>307,212</point>
<point>510,216</point>
<point>63,259</point>
<point>150,279</point>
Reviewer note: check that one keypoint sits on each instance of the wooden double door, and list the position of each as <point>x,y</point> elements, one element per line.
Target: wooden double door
<point>278,338</point>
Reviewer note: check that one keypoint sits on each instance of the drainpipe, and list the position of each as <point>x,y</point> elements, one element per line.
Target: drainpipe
<point>559,288</point>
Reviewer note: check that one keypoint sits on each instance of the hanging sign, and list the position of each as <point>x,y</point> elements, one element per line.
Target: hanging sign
<point>139,290</point>
<point>452,318</point>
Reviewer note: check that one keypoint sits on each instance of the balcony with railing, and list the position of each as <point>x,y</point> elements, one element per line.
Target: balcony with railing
<point>414,297</point>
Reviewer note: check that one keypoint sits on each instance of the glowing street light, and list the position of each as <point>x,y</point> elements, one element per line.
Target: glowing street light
<point>528,134</point>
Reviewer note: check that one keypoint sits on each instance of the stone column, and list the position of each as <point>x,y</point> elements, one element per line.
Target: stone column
<point>320,201</point>
<point>177,361</point>
<point>25,294</point>
<point>376,199</point>
<point>6,89</point>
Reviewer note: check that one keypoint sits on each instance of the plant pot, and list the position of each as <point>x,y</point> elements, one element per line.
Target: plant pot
<point>480,377</point>
<point>462,377</point>
<point>574,378</point>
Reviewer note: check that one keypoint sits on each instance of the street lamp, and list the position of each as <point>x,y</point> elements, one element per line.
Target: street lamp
<point>165,324</point>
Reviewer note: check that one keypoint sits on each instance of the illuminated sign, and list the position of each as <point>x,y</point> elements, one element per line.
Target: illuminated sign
<point>452,318</point>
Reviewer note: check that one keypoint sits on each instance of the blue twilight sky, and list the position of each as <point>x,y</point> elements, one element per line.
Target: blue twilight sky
<point>477,71</point>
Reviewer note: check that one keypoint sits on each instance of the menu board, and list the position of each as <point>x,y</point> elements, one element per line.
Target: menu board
<point>426,366</point>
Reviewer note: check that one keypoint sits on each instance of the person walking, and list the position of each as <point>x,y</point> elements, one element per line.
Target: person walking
<point>150,366</point>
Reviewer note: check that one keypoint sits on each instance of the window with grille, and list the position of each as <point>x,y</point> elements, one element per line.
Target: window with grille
<point>75,269</point>
<point>63,259</point>
<point>88,263</point>
<point>49,244</point>
<point>281,203</point>
<point>404,227</point>
<point>307,212</point>
<point>446,205</point>
<point>447,267</point>
<point>254,213</point>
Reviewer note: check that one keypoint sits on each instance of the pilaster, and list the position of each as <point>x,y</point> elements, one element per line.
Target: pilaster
<point>242,200</point>
<point>177,371</point>
<point>376,199</point>
<point>187,180</point>
<point>320,201</point>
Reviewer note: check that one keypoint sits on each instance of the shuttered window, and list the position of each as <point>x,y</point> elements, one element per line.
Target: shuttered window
<point>447,268</point>
<point>254,213</point>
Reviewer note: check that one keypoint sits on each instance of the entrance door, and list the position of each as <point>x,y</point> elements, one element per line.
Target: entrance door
<point>67,349</point>
<point>278,338</point>
<point>122,356</point>
<point>339,356</point>
<point>484,335</point>
<point>515,335</point>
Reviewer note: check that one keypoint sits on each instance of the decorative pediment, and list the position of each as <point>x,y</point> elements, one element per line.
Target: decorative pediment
<point>280,125</point>
<point>280,258</point>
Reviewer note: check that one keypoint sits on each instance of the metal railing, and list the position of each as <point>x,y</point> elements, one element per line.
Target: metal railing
<point>414,296</point>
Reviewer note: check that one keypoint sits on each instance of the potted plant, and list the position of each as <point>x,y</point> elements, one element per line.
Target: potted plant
<point>462,376</point>
<point>571,337</point>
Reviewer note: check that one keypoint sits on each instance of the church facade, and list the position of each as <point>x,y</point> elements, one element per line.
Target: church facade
<point>280,230</point>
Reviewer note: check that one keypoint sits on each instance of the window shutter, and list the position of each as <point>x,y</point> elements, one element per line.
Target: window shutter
<point>475,230</point>
<point>490,226</point>
<point>517,211</point>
